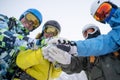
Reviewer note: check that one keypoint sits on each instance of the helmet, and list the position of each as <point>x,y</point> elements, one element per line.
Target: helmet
<point>95,33</point>
<point>52,23</point>
<point>35,12</point>
<point>95,5</point>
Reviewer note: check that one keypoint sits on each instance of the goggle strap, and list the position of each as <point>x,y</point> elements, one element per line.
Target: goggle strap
<point>36,17</point>
<point>111,13</point>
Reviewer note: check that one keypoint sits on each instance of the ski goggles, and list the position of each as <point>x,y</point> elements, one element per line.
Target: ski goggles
<point>103,12</point>
<point>33,19</point>
<point>51,30</point>
<point>89,31</point>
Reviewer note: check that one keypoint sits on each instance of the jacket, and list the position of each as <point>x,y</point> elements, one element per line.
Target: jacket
<point>34,64</point>
<point>12,34</point>
<point>106,67</point>
<point>103,44</point>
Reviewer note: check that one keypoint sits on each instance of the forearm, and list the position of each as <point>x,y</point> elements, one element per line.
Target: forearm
<point>29,58</point>
<point>6,42</point>
<point>74,67</point>
<point>10,40</point>
<point>101,45</point>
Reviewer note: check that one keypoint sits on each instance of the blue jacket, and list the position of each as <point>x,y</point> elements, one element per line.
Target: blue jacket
<point>103,44</point>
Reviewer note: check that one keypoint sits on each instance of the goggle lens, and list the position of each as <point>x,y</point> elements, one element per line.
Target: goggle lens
<point>31,18</point>
<point>103,12</point>
<point>51,30</point>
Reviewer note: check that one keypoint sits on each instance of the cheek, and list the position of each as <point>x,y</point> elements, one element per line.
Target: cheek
<point>85,34</point>
<point>24,25</point>
<point>48,35</point>
<point>30,27</point>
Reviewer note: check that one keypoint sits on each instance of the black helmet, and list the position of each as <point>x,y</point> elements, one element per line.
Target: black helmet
<point>52,23</point>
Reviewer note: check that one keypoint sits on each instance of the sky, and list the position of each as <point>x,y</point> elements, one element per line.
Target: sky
<point>72,15</point>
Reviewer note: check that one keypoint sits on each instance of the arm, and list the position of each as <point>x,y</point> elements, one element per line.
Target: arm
<point>8,40</point>
<point>104,43</point>
<point>101,45</point>
<point>29,58</point>
<point>76,65</point>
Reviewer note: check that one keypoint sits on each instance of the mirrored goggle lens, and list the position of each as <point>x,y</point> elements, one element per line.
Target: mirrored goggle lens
<point>51,29</point>
<point>30,17</point>
<point>102,12</point>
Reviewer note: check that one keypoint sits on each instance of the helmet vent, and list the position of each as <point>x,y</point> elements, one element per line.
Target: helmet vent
<point>98,2</point>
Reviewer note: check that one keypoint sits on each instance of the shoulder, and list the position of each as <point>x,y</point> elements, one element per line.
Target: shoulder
<point>2,16</point>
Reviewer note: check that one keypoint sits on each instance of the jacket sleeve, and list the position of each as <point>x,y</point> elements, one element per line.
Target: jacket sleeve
<point>3,22</point>
<point>5,41</point>
<point>76,65</point>
<point>102,44</point>
<point>56,72</point>
<point>29,58</point>
<point>8,40</point>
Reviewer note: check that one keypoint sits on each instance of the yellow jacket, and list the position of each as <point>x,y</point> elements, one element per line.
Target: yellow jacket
<point>34,64</point>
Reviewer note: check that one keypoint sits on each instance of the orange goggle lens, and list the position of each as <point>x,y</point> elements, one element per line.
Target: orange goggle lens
<point>103,12</point>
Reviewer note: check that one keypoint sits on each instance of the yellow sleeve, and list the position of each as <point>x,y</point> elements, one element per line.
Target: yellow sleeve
<point>29,58</point>
<point>56,72</point>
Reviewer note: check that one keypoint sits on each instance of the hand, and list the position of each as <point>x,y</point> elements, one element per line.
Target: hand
<point>56,41</point>
<point>57,54</point>
<point>45,53</point>
<point>64,42</point>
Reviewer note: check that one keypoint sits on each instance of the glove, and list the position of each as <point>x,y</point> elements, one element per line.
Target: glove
<point>46,55</point>
<point>57,54</point>
<point>73,49</point>
<point>64,42</point>
<point>56,41</point>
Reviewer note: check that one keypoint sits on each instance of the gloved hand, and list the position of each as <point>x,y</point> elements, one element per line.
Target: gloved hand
<point>52,53</point>
<point>46,55</point>
<point>73,50</point>
<point>64,42</point>
<point>56,41</point>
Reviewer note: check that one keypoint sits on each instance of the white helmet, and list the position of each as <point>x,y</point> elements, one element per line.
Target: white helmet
<point>95,6</point>
<point>93,34</point>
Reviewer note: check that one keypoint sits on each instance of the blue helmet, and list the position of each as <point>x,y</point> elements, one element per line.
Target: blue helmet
<point>35,12</point>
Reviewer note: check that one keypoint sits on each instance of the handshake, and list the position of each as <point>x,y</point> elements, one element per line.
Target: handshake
<point>59,50</point>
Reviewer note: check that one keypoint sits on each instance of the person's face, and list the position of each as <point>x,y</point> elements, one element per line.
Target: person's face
<point>27,24</point>
<point>48,35</point>
<point>50,31</point>
<point>90,30</point>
